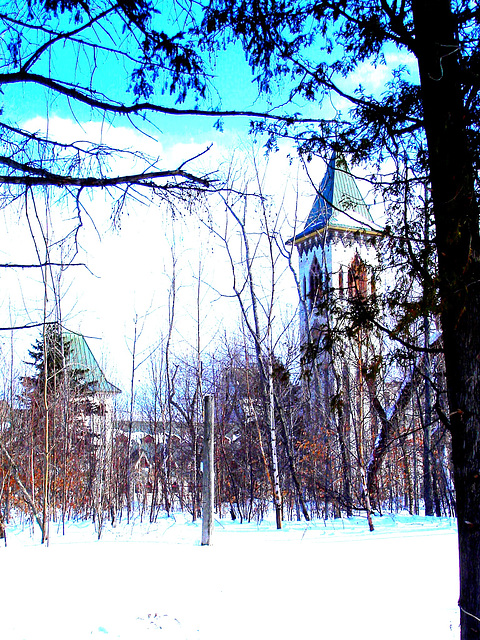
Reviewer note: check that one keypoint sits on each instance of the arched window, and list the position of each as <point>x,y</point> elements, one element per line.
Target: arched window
<point>340,282</point>
<point>315,292</point>
<point>357,278</point>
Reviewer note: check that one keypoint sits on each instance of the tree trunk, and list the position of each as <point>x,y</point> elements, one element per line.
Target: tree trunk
<point>291,461</point>
<point>457,240</point>
<point>427,443</point>
<point>389,423</point>
<point>277,494</point>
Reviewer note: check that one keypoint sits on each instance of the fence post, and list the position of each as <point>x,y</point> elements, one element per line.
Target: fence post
<point>208,472</point>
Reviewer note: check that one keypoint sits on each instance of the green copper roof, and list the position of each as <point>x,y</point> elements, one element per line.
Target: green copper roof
<point>80,357</point>
<point>338,203</point>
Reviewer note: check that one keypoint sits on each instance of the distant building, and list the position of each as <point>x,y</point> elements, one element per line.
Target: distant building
<point>80,357</point>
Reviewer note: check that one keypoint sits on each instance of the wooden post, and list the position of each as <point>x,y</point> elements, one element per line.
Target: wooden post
<point>208,472</point>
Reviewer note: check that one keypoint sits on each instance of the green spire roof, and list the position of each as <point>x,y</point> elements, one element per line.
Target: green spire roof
<point>338,203</point>
<point>80,357</point>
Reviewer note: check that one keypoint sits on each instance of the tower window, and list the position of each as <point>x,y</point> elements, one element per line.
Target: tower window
<point>357,278</point>
<point>316,283</point>
<point>340,282</point>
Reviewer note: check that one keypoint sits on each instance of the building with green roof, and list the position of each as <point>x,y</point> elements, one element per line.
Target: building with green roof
<point>338,204</point>
<point>80,357</point>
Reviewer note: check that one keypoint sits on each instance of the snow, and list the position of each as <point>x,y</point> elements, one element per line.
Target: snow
<point>145,581</point>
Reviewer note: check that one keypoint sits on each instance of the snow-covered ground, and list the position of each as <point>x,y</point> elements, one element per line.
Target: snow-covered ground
<point>143,581</point>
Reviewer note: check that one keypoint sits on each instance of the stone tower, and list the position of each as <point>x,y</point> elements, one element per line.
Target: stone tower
<point>337,260</point>
<point>337,248</point>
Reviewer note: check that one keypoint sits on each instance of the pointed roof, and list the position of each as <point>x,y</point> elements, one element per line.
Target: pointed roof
<point>338,203</point>
<point>81,357</point>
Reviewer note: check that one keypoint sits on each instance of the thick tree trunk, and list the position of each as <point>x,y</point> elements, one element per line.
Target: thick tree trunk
<point>457,239</point>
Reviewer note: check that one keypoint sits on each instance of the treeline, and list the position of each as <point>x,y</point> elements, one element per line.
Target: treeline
<point>69,451</point>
